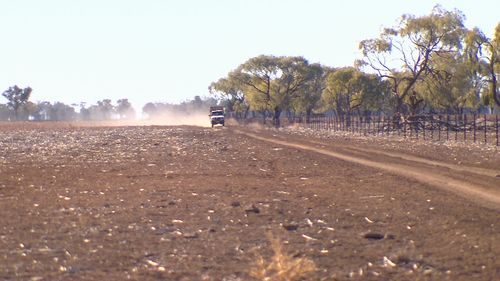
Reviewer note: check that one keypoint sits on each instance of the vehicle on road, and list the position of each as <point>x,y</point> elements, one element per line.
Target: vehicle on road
<point>217,115</point>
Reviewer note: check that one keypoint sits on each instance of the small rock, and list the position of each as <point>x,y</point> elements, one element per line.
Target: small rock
<point>388,263</point>
<point>291,226</point>
<point>252,209</point>
<point>235,204</point>
<point>374,236</point>
<point>190,235</point>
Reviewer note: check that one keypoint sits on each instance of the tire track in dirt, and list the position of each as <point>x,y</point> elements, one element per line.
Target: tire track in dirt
<point>422,170</point>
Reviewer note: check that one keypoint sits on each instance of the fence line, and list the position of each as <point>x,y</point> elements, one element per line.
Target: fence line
<point>476,128</point>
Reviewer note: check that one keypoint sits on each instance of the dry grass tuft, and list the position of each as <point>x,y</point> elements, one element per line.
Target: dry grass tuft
<point>281,266</point>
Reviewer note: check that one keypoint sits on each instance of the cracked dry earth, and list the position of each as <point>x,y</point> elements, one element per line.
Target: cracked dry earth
<point>193,203</point>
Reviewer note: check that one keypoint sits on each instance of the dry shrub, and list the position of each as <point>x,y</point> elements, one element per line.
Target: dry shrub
<point>281,266</point>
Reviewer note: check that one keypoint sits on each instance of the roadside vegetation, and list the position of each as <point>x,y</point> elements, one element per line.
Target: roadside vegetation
<point>428,64</point>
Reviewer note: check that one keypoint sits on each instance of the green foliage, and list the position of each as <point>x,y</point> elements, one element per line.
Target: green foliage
<point>451,85</point>
<point>273,84</point>
<point>308,97</point>
<point>56,112</point>
<point>403,55</point>
<point>17,97</point>
<point>125,110</point>
<point>231,93</point>
<point>348,89</point>
<point>198,105</point>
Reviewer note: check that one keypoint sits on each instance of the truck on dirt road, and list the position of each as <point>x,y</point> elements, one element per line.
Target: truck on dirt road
<point>217,115</point>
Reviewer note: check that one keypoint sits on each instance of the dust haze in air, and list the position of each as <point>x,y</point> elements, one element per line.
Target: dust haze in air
<point>172,118</point>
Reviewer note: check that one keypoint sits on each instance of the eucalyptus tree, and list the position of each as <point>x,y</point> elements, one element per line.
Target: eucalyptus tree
<point>271,83</point>
<point>256,75</point>
<point>16,98</point>
<point>484,54</point>
<point>452,86</point>
<point>308,96</point>
<point>4,112</point>
<point>150,109</point>
<point>124,109</point>
<point>349,89</point>
<point>232,91</point>
<point>403,54</point>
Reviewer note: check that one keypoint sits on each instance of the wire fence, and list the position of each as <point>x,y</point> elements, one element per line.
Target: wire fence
<point>475,128</point>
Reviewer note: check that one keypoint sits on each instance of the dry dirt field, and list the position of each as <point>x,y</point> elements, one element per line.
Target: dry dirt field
<point>195,203</point>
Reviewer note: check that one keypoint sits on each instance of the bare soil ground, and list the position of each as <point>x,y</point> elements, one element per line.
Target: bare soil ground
<point>193,203</point>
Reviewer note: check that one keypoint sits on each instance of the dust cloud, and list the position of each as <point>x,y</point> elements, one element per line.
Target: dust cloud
<point>177,119</point>
<point>198,119</point>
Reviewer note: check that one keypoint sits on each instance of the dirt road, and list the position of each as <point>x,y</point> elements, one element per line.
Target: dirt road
<point>191,203</point>
<point>481,185</point>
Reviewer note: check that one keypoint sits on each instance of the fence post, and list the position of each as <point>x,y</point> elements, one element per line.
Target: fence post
<point>404,128</point>
<point>485,124</point>
<point>474,127</point>
<point>369,124</point>
<point>496,125</point>
<point>423,127</point>
<point>378,125</point>
<point>416,129</point>
<point>359,125</point>
<point>439,128</point>
<point>456,127</point>
<point>448,127</point>
<point>465,127</point>
<point>432,127</point>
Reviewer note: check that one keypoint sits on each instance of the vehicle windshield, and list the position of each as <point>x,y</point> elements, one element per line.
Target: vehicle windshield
<point>217,113</point>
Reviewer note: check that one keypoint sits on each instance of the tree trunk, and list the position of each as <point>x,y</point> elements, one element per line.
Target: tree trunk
<point>276,117</point>
<point>494,90</point>
<point>308,115</point>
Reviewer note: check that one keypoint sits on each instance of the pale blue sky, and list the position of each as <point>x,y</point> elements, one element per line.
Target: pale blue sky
<point>170,51</point>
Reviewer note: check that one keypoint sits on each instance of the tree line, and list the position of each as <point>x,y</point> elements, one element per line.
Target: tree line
<point>19,107</point>
<point>198,105</point>
<point>427,64</point>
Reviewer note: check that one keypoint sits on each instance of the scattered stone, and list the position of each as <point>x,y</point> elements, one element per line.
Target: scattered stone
<point>190,235</point>
<point>252,209</point>
<point>291,226</point>
<point>309,238</point>
<point>374,236</point>
<point>388,263</point>
<point>152,263</point>
<point>235,204</point>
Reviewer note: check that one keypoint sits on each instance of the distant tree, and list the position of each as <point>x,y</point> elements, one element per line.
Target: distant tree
<point>403,54</point>
<point>27,111</point>
<point>16,98</point>
<point>5,112</point>
<point>484,54</point>
<point>105,109</point>
<point>231,92</point>
<point>125,109</point>
<point>452,85</point>
<point>150,109</point>
<point>271,83</point>
<point>43,111</point>
<point>308,96</point>
<point>348,89</point>
<point>84,111</point>
<point>61,111</point>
